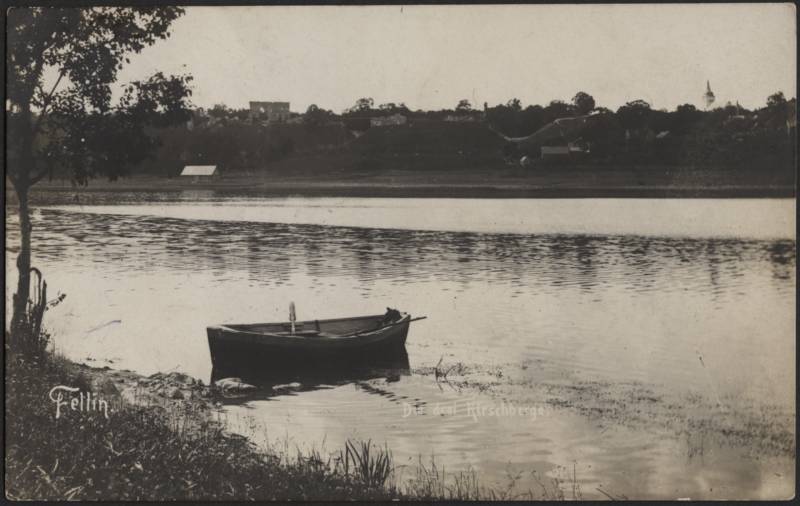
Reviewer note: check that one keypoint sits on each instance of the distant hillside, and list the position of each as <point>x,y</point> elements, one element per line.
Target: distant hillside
<point>429,137</point>
<point>634,136</point>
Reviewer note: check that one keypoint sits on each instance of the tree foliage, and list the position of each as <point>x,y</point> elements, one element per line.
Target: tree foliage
<point>634,115</point>
<point>84,131</point>
<point>583,102</point>
<point>776,100</point>
<point>69,121</point>
<point>362,105</point>
<point>315,116</point>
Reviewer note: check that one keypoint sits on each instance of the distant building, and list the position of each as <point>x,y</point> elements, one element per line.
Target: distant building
<point>393,120</point>
<point>198,172</point>
<point>461,118</point>
<point>270,112</point>
<point>564,151</point>
<point>554,152</point>
<point>578,147</point>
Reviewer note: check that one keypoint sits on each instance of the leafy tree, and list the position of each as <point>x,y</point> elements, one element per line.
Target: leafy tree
<point>557,109</point>
<point>72,121</point>
<point>583,102</point>
<point>505,119</point>
<point>532,119</point>
<point>604,133</point>
<point>777,111</point>
<point>391,108</point>
<point>659,121</point>
<point>776,100</point>
<point>634,115</point>
<point>220,111</point>
<point>362,105</point>
<point>240,114</point>
<point>684,117</point>
<point>315,116</point>
<point>730,109</point>
<point>463,106</point>
<point>514,104</point>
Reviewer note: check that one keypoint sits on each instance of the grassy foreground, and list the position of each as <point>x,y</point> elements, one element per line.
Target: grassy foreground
<point>178,451</point>
<point>145,453</point>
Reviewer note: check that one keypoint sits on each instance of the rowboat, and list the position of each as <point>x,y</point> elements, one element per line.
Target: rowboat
<point>309,344</point>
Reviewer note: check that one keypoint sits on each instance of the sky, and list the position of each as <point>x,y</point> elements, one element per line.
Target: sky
<point>430,57</point>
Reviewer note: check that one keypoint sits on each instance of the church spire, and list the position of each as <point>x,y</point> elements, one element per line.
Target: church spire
<point>709,95</point>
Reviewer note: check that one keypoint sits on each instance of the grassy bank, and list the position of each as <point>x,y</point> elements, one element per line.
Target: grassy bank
<point>178,451</point>
<point>145,452</point>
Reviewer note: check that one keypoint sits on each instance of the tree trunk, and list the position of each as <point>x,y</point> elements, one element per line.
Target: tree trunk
<point>19,321</point>
<point>20,324</point>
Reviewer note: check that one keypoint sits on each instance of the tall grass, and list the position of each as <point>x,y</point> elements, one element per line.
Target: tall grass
<point>372,468</point>
<point>147,451</point>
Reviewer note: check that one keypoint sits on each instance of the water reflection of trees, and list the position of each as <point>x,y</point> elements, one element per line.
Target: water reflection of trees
<point>271,253</point>
<point>782,255</point>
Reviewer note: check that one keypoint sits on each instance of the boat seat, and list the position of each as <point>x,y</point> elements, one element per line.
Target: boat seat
<point>299,333</point>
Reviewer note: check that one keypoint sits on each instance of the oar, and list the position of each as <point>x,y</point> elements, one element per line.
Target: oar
<point>385,326</point>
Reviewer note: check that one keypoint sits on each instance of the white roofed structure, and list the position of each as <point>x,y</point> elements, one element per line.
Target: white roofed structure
<point>199,170</point>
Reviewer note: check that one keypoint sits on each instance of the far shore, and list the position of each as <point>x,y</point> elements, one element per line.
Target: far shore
<point>550,182</point>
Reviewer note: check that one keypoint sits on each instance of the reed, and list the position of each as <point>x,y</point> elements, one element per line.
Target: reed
<point>369,464</point>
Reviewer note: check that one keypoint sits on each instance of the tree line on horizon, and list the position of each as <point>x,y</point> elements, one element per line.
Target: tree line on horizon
<point>634,133</point>
<point>511,115</point>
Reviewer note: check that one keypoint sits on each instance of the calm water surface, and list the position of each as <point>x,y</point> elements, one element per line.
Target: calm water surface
<point>682,299</point>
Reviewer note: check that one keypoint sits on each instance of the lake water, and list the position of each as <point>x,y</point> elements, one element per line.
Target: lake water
<point>631,342</point>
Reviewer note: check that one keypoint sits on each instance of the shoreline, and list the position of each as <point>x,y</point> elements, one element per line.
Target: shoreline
<point>150,431</point>
<point>438,191</point>
<point>306,177</point>
<point>171,423</point>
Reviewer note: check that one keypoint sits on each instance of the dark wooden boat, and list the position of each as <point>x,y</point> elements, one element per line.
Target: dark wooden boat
<point>310,344</point>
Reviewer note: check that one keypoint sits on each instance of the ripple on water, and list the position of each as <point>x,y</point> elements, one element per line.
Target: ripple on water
<point>542,308</point>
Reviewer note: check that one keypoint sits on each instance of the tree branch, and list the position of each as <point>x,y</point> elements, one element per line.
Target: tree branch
<point>38,177</point>
<point>12,177</point>
<point>46,103</point>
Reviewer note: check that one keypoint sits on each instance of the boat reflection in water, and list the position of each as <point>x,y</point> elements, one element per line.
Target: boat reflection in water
<point>313,376</point>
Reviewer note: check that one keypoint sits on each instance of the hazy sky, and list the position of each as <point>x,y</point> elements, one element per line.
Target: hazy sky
<point>432,56</point>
